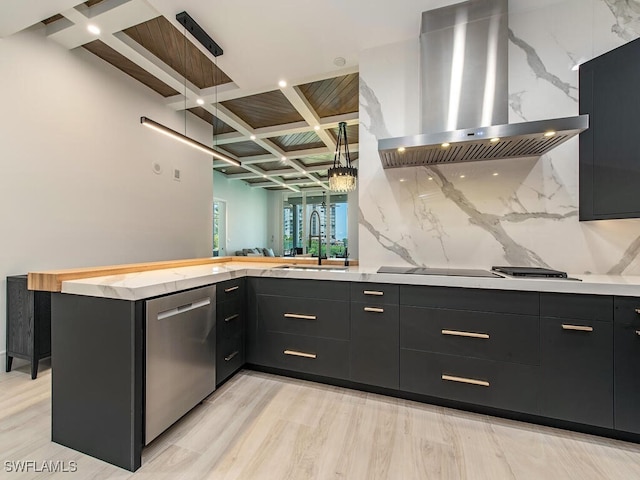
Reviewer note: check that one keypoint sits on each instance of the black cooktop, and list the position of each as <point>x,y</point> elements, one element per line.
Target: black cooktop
<point>449,272</point>
<point>531,272</point>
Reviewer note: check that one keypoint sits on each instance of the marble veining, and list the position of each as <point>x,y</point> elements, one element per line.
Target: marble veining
<point>540,70</point>
<point>477,214</point>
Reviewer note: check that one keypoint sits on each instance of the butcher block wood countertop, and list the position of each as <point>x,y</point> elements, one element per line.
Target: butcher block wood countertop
<point>51,280</point>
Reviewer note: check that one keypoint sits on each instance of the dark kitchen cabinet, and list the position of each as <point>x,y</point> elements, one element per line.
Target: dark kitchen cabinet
<point>28,323</point>
<point>374,346</point>
<point>609,167</point>
<point>627,358</point>
<point>230,328</point>
<point>577,358</point>
<point>300,326</point>
<point>475,346</point>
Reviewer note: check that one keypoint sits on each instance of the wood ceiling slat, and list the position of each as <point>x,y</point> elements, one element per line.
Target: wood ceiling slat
<point>244,149</point>
<point>333,96</point>
<point>231,169</point>
<point>298,141</point>
<point>352,133</point>
<point>276,165</point>
<point>49,20</point>
<point>219,127</point>
<point>264,110</point>
<point>167,43</point>
<point>91,3</point>
<point>119,61</point>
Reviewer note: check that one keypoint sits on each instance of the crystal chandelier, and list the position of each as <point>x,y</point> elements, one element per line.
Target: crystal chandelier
<point>342,179</point>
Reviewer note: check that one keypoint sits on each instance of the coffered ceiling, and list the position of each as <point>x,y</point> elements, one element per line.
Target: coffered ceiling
<point>284,136</point>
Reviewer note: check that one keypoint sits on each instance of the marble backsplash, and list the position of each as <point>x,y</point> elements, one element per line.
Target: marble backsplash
<point>515,212</point>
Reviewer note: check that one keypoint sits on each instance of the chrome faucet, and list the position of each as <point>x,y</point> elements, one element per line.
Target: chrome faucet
<point>311,237</point>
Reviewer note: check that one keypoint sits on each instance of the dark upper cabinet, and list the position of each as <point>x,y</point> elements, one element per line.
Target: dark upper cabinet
<point>609,149</point>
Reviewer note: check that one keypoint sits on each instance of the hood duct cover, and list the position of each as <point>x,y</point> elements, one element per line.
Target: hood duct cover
<point>464,72</point>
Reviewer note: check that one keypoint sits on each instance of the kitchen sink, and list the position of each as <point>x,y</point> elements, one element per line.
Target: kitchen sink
<point>313,268</point>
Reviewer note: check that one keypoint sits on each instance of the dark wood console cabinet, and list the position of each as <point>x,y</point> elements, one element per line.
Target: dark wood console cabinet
<point>28,323</point>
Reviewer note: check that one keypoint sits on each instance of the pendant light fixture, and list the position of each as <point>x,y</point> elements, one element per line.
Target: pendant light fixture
<point>197,31</point>
<point>342,179</point>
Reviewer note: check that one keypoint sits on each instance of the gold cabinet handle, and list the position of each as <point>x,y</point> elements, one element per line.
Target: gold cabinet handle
<point>470,381</point>
<point>231,289</point>
<point>300,316</point>
<point>232,317</point>
<point>638,310</point>
<point>374,309</point>
<point>229,357</point>
<point>577,328</point>
<point>295,353</point>
<point>458,333</point>
<point>373,292</point>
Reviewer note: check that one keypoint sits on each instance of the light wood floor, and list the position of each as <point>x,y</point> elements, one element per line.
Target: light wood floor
<point>260,426</point>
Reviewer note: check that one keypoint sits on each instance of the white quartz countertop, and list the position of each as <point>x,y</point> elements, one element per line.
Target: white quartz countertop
<point>142,285</point>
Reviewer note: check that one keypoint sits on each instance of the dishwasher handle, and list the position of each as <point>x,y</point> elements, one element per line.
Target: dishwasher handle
<point>184,308</point>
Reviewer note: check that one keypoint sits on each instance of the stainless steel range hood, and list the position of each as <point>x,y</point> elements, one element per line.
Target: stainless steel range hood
<point>464,77</point>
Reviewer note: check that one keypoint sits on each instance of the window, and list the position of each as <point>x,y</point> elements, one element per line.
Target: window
<point>219,227</point>
<point>301,235</point>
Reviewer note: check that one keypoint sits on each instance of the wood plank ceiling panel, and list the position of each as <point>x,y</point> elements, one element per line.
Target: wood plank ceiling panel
<point>276,165</point>
<point>219,127</point>
<point>244,149</point>
<point>121,62</point>
<point>171,46</point>
<point>352,133</point>
<point>333,96</point>
<point>264,109</point>
<point>88,3</point>
<point>231,169</point>
<point>298,141</point>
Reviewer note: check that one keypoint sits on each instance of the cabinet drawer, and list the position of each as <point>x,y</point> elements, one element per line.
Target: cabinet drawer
<point>627,311</point>
<point>500,301</point>
<point>318,356</point>
<point>230,319</point>
<point>308,289</point>
<point>626,378</point>
<point>577,306</point>
<point>375,293</point>
<point>482,382</point>
<point>494,336</point>
<point>300,316</point>
<point>229,357</point>
<point>577,370</point>
<point>230,290</point>
<point>374,344</point>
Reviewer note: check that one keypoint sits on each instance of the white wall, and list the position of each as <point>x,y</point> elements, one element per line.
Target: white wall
<point>76,186</point>
<point>247,213</point>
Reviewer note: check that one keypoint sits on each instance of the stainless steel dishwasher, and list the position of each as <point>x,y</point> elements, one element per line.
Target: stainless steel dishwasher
<point>180,356</point>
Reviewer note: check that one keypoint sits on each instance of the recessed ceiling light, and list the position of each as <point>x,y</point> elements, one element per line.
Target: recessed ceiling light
<point>430,178</point>
<point>200,101</point>
<point>549,134</point>
<point>284,159</point>
<point>252,137</point>
<point>461,176</point>
<point>317,127</point>
<point>401,149</point>
<point>445,145</point>
<point>494,140</point>
<point>264,176</point>
<point>495,174</point>
<point>93,29</point>
<point>282,84</point>
<point>403,180</point>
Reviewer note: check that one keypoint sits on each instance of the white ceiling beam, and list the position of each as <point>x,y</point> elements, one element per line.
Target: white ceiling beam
<point>311,152</point>
<point>279,172</point>
<point>302,105</point>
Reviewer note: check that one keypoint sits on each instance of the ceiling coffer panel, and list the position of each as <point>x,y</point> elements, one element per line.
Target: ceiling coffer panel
<point>243,149</point>
<point>121,62</point>
<point>298,141</point>
<point>219,127</point>
<point>171,46</point>
<point>333,96</point>
<point>352,133</point>
<point>264,110</point>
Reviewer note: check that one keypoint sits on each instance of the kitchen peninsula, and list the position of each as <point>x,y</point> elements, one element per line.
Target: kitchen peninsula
<point>532,349</point>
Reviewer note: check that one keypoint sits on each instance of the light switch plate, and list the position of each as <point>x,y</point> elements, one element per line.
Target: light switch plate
<point>176,174</point>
